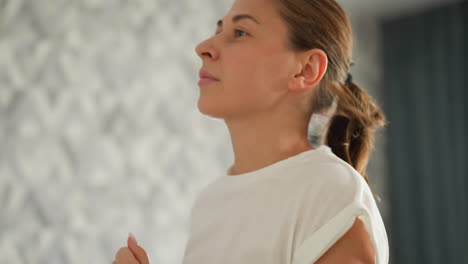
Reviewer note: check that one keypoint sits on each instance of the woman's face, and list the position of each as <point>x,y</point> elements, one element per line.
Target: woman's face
<point>250,59</point>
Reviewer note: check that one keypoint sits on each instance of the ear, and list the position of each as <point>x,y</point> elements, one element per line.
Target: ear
<point>311,69</point>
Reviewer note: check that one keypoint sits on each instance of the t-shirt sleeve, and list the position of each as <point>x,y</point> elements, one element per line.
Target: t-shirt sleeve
<point>353,199</point>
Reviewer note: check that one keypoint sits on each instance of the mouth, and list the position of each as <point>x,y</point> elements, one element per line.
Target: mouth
<point>206,80</point>
<point>204,74</point>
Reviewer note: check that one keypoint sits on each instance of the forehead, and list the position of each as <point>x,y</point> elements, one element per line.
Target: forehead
<point>264,11</point>
<point>261,10</point>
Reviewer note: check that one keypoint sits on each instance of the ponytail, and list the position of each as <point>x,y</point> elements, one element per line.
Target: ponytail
<point>351,129</point>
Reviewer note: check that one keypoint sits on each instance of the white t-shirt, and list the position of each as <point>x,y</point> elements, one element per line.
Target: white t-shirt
<point>290,212</point>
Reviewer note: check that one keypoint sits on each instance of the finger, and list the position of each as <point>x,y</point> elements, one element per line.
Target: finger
<point>140,255</point>
<point>138,252</point>
<point>131,241</point>
<point>125,256</point>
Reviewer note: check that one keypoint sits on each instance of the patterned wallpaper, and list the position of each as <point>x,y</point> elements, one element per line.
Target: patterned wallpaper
<point>100,134</point>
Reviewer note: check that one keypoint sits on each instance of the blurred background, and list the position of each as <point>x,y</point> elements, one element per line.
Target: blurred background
<point>100,134</point>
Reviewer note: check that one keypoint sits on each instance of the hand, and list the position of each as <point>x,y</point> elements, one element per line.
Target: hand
<point>132,254</point>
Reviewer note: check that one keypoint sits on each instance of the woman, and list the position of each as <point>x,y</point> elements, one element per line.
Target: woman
<point>271,68</point>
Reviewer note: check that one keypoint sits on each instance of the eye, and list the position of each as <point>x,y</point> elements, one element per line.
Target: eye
<point>237,30</point>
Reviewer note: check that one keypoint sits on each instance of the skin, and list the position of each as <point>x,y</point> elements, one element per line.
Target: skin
<point>131,254</point>
<point>354,247</point>
<point>262,95</point>
<point>263,89</point>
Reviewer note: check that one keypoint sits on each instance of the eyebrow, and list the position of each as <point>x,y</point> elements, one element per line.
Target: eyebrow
<point>239,17</point>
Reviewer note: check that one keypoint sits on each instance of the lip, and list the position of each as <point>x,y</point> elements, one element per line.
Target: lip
<point>206,75</point>
<point>205,81</point>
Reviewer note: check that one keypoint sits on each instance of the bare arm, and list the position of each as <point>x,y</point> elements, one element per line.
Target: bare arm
<point>354,247</point>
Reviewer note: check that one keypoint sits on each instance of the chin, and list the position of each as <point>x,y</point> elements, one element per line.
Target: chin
<point>211,109</point>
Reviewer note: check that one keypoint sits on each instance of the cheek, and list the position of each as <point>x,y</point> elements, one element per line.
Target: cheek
<point>274,69</point>
<point>255,77</point>
<point>259,67</point>
<point>242,72</point>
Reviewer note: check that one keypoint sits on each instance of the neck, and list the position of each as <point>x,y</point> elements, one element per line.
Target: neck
<point>262,142</point>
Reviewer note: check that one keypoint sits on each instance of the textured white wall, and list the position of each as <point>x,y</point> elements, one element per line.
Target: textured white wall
<point>99,128</point>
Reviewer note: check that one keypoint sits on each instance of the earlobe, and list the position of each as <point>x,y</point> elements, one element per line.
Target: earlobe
<point>296,84</point>
<point>299,82</point>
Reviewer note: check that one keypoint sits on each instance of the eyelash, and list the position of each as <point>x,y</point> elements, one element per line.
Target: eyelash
<point>237,30</point>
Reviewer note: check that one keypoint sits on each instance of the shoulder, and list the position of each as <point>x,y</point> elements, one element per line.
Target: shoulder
<point>331,181</point>
<point>339,207</point>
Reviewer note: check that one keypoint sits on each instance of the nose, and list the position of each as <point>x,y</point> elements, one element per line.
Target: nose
<point>206,49</point>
